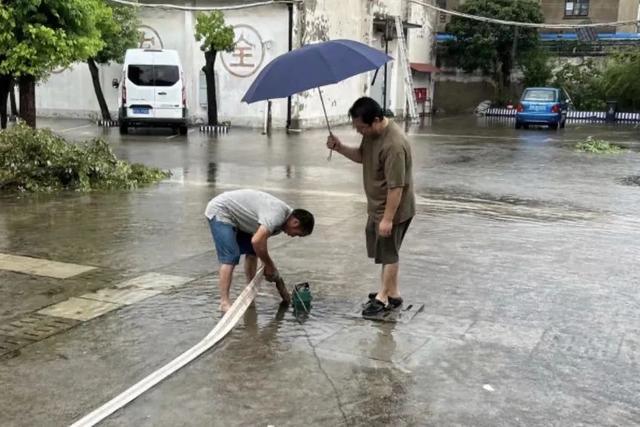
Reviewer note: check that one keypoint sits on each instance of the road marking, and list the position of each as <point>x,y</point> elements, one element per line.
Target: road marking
<point>41,267</point>
<point>79,309</point>
<point>125,296</point>
<point>155,281</point>
<point>172,136</point>
<point>74,128</point>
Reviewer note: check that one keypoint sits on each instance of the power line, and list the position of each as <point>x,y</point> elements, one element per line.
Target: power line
<point>199,8</point>
<point>524,24</point>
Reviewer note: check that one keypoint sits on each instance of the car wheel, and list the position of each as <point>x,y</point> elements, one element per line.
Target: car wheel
<point>183,130</point>
<point>518,125</point>
<point>553,126</point>
<point>124,129</point>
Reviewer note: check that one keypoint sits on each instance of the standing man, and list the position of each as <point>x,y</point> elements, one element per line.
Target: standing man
<point>241,221</point>
<point>385,155</point>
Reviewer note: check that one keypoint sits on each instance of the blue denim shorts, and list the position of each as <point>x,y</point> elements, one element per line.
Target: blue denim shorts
<point>230,242</point>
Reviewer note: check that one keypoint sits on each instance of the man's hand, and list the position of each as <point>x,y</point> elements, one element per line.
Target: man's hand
<point>333,143</point>
<point>385,227</point>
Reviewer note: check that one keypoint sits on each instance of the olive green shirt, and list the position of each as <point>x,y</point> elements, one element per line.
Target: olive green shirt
<point>386,164</point>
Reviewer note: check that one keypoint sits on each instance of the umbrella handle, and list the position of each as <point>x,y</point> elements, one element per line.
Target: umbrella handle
<point>326,118</point>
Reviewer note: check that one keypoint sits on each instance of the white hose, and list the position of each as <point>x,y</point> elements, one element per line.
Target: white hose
<point>228,321</point>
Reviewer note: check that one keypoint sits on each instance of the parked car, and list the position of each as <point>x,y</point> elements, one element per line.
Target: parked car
<point>152,90</point>
<point>542,106</point>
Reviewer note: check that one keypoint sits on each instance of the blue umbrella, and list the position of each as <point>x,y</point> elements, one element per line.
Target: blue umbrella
<point>313,66</point>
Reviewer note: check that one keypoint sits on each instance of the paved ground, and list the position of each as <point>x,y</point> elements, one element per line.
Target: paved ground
<point>524,253</point>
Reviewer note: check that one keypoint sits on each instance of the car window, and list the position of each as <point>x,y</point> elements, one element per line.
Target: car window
<point>166,75</point>
<point>140,75</point>
<point>539,95</point>
<point>153,75</point>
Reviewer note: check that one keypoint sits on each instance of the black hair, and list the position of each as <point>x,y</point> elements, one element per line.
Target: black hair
<point>306,220</point>
<point>366,109</point>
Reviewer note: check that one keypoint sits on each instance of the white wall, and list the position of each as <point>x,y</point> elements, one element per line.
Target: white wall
<point>70,93</point>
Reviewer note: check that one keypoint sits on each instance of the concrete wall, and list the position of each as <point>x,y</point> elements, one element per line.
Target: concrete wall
<point>627,11</point>
<point>461,95</point>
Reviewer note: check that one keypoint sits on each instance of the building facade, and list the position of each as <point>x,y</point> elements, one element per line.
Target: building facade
<point>592,11</point>
<point>262,33</point>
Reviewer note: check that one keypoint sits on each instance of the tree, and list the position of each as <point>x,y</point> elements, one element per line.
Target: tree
<point>620,79</point>
<point>536,68</point>
<point>118,26</point>
<point>38,36</point>
<point>216,37</point>
<point>492,48</point>
<point>583,83</point>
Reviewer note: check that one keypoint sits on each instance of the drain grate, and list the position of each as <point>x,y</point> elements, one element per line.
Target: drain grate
<point>29,329</point>
<point>10,345</point>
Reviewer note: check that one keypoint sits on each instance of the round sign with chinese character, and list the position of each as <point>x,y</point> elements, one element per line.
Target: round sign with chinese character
<point>247,54</point>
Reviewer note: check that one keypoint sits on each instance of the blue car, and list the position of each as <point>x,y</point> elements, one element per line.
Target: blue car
<point>542,106</point>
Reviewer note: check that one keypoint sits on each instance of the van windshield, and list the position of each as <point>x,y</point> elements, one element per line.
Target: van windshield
<point>539,95</point>
<point>153,75</point>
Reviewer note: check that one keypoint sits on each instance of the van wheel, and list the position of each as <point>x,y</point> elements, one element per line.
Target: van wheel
<point>183,130</point>
<point>124,129</point>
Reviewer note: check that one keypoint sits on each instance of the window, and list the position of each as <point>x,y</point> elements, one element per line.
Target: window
<point>150,75</point>
<point>576,8</point>
<point>539,95</point>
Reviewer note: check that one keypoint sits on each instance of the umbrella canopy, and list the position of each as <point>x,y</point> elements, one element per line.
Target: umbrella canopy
<point>313,66</point>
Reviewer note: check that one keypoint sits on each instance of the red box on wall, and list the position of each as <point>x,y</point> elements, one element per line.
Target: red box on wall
<point>420,94</point>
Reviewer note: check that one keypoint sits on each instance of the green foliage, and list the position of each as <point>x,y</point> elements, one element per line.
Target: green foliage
<point>621,79</point>
<point>597,146</point>
<point>536,68</point>
<point>214,34</point>
<point>583,83</point>
<point>40,161</point>
<point>118,26</point>
<point>38,36</point>
<point>489,47</point>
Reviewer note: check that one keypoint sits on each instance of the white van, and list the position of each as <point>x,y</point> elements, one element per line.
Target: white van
<point>152,90</point>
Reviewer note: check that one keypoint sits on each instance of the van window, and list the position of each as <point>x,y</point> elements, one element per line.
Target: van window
<point>539,95</point>
<point>141,75</point>
<point>166,75</point>
<point>153,75</point>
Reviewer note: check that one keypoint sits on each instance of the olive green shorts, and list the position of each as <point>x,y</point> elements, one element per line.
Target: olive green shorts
<point>384,250</point>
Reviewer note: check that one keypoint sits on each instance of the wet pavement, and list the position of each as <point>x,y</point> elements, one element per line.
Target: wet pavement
<point>523,251</point>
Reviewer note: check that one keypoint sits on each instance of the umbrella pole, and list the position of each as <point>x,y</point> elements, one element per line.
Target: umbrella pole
<point>326,118</point>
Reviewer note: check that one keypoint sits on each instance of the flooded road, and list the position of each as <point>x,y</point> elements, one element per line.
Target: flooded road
<point>523,251</point>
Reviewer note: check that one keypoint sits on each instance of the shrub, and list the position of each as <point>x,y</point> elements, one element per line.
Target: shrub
<point>38,160</point>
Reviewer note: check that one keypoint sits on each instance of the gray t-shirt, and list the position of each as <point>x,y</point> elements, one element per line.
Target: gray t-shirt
<point>248,209</point>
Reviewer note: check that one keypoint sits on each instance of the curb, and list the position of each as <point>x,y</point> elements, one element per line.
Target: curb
<point>215,129</point>
<point>108,123</point>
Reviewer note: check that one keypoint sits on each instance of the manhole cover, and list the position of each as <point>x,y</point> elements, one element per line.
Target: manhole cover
<point>630,180</point>
<point>403,314</point>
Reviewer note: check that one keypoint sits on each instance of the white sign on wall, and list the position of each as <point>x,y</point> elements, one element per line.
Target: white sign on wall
<point>248,52</point>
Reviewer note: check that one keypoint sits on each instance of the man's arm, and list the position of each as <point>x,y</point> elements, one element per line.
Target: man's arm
<point>259,243</point>
<point>394,195</point>
<point>351,153</point>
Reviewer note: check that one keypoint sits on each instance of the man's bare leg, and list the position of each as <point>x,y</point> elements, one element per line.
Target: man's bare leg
<point>250,266</point>
<point>389,282</point>
<point>224,281</point>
